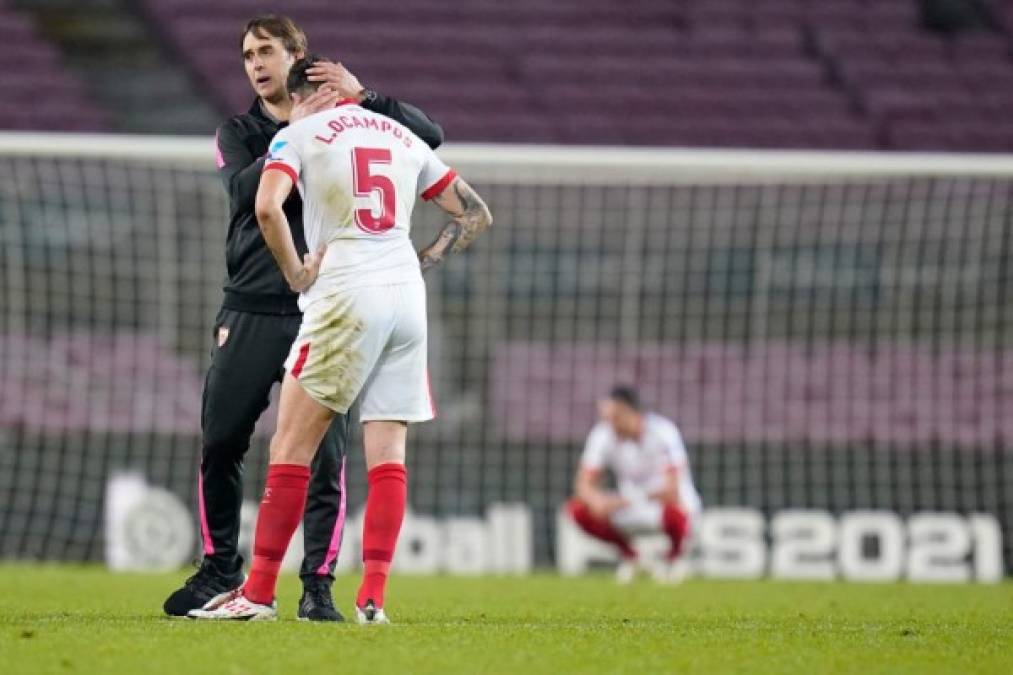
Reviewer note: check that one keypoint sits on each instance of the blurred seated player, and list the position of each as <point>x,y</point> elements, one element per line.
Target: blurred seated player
<point>363,333</point>
<point>646,454</point>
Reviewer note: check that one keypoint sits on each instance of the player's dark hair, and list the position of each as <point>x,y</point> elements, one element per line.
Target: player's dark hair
<point>624,393</point>
<point>276,26</point>
<point>298,80</point>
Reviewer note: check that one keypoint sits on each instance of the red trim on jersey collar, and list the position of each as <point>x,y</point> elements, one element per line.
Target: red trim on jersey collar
<point>346,101</point>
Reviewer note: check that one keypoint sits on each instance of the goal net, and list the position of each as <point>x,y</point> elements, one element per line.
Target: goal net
<point>830,331</point>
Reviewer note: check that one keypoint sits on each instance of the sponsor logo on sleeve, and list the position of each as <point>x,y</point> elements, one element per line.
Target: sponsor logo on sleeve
<point>275,148</point>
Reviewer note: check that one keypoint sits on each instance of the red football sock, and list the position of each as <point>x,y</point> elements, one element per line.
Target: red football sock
<point>385,507</point>
<point>281,509</point>
<point>676,525</point>
<point>600,528</point>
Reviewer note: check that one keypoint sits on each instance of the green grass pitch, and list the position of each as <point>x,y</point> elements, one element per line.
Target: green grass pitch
<point>85,620</point>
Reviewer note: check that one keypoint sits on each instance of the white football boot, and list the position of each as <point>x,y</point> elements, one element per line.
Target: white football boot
<point>626,571</point>
<point>370,614</point>
<point>234,606</point>
<point>672,572</point>
<point>222,598</point>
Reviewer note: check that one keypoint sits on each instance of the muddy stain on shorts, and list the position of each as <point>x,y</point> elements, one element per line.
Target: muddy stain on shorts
<point>336,376</point>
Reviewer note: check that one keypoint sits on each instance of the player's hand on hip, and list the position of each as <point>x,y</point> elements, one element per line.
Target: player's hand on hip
<point>337,77</point>
<point>321,99</point>
<point>432,255</point>
<point>307,274</point>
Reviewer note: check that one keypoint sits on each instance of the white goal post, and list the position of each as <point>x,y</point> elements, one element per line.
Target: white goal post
<point>643,165</point>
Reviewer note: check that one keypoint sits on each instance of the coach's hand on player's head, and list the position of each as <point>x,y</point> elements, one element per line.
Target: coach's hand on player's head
<point>303,277</point>
<point>323,98</point>
<point>337,77</point>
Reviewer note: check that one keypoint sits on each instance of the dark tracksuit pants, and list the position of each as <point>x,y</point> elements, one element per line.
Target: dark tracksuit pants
<point>243,369</point>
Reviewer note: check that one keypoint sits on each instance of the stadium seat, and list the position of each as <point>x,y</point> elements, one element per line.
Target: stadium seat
<point>32,64</point>
<point>728,60</point>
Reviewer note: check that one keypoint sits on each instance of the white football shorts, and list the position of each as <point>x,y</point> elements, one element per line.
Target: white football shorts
<point>644,516</point>
<point>367,342</point>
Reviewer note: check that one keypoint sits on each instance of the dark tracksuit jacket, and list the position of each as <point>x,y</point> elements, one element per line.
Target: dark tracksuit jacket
<point>257,323</point>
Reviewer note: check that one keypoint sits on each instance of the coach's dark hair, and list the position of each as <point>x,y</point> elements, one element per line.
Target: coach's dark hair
<point>276,26</point>
<point>624,393</point>
<point>298,80</point>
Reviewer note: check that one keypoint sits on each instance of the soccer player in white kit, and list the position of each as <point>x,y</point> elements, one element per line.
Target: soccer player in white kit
<point>646,453</point>
<point>363,333</point>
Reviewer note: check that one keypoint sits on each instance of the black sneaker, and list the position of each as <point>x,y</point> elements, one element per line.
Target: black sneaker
<point>316,603</point>
<point>206,584</point>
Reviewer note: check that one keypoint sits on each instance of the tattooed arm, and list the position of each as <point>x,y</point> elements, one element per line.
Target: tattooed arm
<point>470,218</point>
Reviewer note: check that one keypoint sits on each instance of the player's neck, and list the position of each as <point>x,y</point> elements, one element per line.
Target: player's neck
<point>633,435</point>
<point>638,429</point>
<point>278,110</point>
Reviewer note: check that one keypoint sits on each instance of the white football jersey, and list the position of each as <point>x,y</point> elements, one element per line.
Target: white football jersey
<point>359,174</point>
<point>640,465</point>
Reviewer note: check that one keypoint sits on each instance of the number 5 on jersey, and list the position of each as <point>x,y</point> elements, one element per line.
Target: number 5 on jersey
<point>366,183</point>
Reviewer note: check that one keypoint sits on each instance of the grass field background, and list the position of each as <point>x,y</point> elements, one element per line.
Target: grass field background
<point>85,620</point>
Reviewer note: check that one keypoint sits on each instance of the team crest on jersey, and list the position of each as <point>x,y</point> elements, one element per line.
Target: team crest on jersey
<point>223,335</point>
